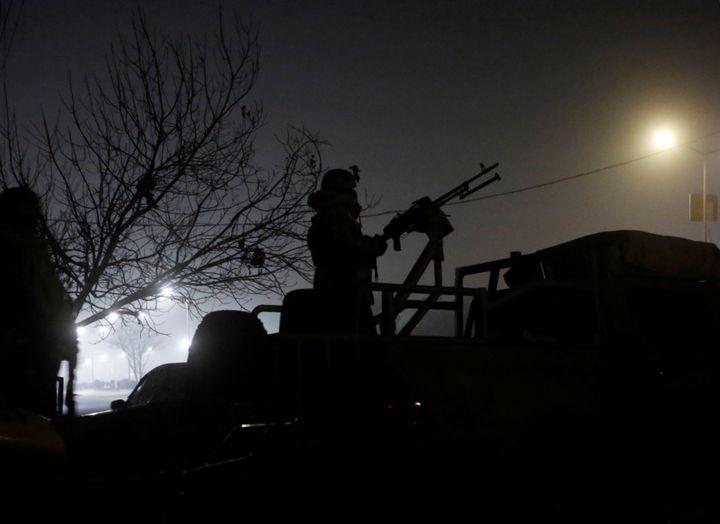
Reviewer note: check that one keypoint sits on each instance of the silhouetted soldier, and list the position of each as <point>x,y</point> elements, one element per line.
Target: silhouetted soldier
<point>37,331</point>
<point>343,256</point>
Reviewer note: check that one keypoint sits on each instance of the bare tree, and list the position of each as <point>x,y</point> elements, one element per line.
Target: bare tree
<point>150,177</point>
<point>137,344</point>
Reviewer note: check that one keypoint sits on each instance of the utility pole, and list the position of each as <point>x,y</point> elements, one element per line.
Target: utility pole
<point>713,212</point>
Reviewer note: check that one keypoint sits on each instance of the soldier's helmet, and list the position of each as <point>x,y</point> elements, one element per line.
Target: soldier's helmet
<point>20,206</point>
<point>339,181</point>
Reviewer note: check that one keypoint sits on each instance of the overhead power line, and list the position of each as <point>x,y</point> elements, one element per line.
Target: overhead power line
<point>559,180</point>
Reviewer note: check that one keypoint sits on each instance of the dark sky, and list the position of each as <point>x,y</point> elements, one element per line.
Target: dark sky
<point>418,93</point>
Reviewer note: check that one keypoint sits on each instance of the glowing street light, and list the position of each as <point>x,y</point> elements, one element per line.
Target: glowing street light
<point>664,139</point>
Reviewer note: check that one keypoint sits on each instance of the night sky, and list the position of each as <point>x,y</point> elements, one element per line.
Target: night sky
<point>418,93</point>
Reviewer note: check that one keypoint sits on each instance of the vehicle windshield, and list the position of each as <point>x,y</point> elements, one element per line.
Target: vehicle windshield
<point>162,384</point>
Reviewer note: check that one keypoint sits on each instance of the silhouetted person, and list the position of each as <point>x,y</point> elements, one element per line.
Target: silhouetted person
<point>37,331</point>
<point>343,256</point>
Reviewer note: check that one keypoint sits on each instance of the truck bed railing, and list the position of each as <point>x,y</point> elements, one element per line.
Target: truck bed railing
<point>433,300</point>
<point>427,298</point>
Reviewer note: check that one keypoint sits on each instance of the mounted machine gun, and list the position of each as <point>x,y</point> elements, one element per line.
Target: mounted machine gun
<point>425,216</point>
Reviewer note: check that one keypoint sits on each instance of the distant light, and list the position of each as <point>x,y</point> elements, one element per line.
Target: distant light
<point>80,330</point>
<point>103,357</point>
<point>167,291</point>
<point>113,316</point>
<point>664,139</point>
<point>149,348</point>
<point>88,361</point>
<point>185,343</point>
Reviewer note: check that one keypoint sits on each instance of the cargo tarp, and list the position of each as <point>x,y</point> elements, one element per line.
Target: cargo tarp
<point>619,253</point>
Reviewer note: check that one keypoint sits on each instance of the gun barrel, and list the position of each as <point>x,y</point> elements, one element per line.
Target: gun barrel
<point>463,189</point>
<point>480,186</point>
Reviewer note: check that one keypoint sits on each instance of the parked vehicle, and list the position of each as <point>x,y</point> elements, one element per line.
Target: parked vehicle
<point>164,383</point>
